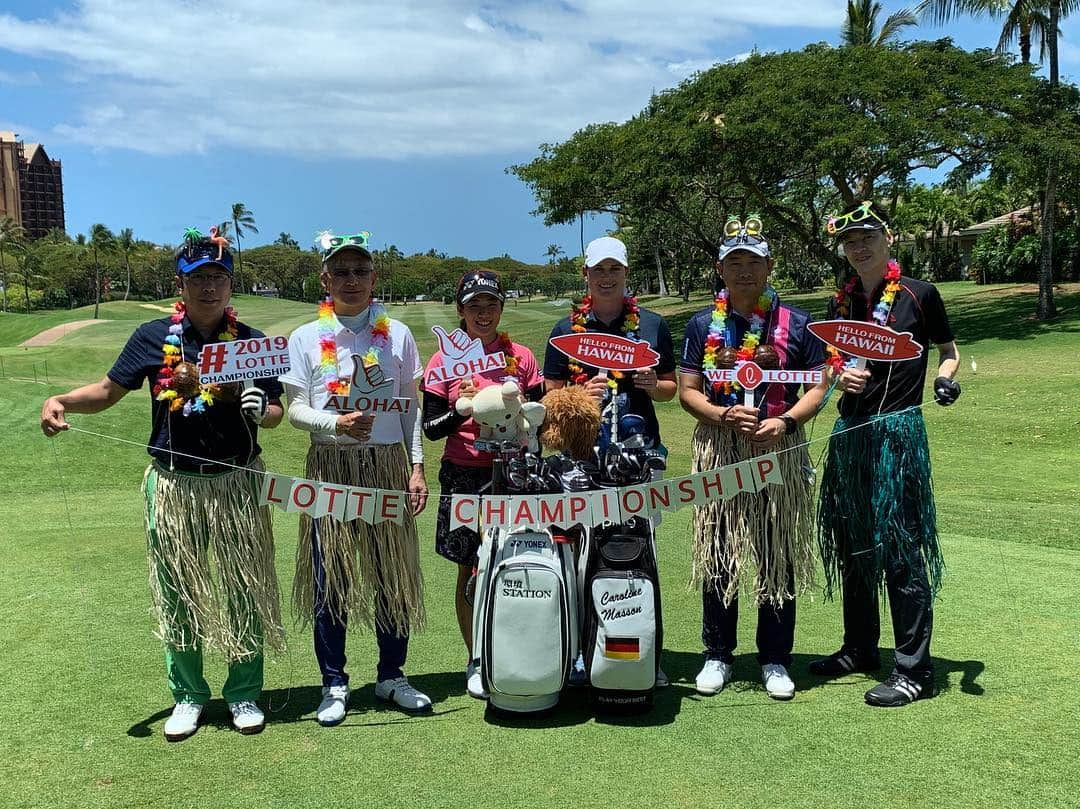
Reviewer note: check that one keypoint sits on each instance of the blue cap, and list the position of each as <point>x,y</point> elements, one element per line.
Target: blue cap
<point>199,250</point>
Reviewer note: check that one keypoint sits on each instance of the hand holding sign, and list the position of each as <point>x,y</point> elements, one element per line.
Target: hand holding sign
<point>462,357</point>
<point>457,344</point>
<point>369,392</point>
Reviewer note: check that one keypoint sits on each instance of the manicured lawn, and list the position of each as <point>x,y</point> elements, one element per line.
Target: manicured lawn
<point>85,688</point>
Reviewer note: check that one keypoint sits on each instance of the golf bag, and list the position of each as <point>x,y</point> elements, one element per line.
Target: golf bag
<point>623,632</point>
<point>525,617</point>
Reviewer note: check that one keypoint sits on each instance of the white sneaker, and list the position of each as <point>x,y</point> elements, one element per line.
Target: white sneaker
<point>246,717</point>
<point>332,708</point>
<point>712,678</point>
<point>778,684</point>
<point>183,722</point>
<point>400,693</point>
<point>474,682</point>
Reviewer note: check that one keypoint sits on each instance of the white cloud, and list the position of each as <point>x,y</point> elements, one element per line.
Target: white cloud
<point>380,79</point>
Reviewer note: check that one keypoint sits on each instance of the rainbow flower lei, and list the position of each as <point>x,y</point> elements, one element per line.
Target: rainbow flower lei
<point>507,347</point>
<point>165,389</point>
<point>380,339</point>
<point>579,317</point>
<point>718,336</point>
<point>880,313</point>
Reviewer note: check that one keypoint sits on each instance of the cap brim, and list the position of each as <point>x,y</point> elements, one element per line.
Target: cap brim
<point>334,251</point>
<point>761,250</point>
<point>202,262</point>
<point>864,225</point>
<point>496,295</point>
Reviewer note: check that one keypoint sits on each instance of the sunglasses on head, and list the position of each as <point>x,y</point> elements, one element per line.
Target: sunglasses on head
<point>738,232</point>
<point>860,214</point>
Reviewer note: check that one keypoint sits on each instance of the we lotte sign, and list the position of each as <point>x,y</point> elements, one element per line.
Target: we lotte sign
<point>608,352</point>
<point>867,341</point>
<point>750,375</point>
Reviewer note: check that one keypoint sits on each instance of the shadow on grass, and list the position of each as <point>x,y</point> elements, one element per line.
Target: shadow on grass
<point>1010,315</point>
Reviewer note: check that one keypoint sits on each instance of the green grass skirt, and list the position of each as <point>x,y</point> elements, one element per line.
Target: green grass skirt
<point>876,506</point>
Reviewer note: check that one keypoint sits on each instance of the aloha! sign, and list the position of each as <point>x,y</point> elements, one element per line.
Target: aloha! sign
<point>608,352</point>
<point>463,357</point>
<point>867,341</point>
<point>369,392</point>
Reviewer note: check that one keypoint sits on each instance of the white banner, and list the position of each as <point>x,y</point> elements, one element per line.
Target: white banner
<point>240,360</point>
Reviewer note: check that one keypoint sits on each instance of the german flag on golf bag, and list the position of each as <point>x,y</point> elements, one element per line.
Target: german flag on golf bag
<point>616,648</point>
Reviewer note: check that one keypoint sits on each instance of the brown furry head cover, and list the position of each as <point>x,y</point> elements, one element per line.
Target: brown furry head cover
<point>572,422</point>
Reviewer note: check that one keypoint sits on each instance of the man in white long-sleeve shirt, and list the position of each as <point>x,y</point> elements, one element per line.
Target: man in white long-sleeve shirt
<point>367,571</point>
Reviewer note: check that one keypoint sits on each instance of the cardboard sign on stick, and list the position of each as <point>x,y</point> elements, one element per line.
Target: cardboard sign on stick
<point>241,360</point>
<point>463,357</point>
<point>867,341</point>
<point>608,352</point>
<point>369,392</point>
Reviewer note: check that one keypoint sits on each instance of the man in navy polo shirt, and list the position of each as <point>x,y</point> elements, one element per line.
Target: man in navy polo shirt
<point>201,491</point>
<point>608,309</point>
<point>767,536</point>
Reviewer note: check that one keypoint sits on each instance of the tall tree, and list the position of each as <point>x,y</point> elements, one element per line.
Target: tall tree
<point>11,238</point>
<point>243,221</point>
<point>102,240</point>
<point>553,252</point>
<point>286,240</point>
<point>125,245</point>
<point>860,26</point>
<point>27,270</point>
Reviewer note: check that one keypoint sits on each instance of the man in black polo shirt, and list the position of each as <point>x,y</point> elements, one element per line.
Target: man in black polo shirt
<point>876,515</point>
<point>202,491</point>
<point>607,308</point>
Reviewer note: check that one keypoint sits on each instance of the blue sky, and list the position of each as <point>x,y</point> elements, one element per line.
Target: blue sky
<point>390,116</point>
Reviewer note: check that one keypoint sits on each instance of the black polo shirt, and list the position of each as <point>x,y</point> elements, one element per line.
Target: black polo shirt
<point>221,432</point>
<point>651,328</point>
<point>918,309</point>
<point>785,329</point>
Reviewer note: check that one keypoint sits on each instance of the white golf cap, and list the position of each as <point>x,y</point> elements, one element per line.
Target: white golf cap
<point>605,247</point>
<point>729,246</point>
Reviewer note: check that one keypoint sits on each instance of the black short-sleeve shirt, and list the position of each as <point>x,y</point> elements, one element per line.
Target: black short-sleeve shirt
<point>918,309</point>
<point>222,432</point>
<point>785,330</point>
<point>652,328</point>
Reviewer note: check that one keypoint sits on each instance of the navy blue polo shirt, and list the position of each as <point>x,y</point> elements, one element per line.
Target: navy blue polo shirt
<point>918,309</point>
<point>221,432</point>
<point>651,328</point>
<point>785,330</point>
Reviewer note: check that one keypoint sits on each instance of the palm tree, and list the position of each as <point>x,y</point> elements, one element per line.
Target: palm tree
<point>286,240</point>
<point>102,240</point>
<point>26,267</point>
<point>243,220</point>
<point>125,243</point>
<point>860,26</point>
<point>11,238</point>
<point>941,11</point>
<point>553,252</point>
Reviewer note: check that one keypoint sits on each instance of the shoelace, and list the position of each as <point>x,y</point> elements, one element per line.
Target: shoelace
<point>245,707</point>
<point>186,709</point>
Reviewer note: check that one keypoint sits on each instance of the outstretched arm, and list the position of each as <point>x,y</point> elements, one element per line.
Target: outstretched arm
<point>92,398</point>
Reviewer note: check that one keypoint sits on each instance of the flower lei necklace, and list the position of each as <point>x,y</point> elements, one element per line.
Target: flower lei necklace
<point>880,314</point>
<point>718,338</point>
<point>178,381</point>
<point>506,345</point>
<point>579,316</point>
<point>380,338</point>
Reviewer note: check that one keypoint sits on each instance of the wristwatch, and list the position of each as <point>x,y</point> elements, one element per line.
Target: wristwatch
<point>790,425</point>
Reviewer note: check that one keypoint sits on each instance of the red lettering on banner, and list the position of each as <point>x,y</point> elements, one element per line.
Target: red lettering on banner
<point>765,467</point>
<point>712,481</point>
<point>551,510</point>
<point>524,514</point>
<point>390,504</point>
<point>737,471</point>
<point>270,492</point>
<point>296,495</point>
<point>332,493</point>
<point>577,506</point>
<point>605,506</point>
<point>659,496</point>
<point>361,495</point>
<point>686,487</point>
<point>493,507</point>
<point>458,507</point>
<point>626,507</point>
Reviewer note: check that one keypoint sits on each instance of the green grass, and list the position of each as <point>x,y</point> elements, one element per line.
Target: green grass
<point>85,692</point>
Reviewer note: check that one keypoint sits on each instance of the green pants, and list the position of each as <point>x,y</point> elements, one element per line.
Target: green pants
<point>184,660</point>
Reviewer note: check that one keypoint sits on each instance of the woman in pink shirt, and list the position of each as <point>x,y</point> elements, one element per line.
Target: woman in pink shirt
<point>464,468</point>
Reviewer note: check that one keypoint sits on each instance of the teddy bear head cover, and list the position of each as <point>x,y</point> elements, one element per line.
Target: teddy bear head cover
<point>503,415</point>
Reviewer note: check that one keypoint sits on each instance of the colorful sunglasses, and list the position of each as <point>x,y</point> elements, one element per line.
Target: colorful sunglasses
<point>329,243</point>
<point>737,231</point>
<point>860,214</point>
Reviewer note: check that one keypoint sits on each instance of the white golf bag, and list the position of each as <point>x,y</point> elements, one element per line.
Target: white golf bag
<point>525,618</point>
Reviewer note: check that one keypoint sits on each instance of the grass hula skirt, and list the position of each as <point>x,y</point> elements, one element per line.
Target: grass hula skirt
<point>877,500</point>
<point>731,537</point>
<point>211,558</point>
<point>363,563</point>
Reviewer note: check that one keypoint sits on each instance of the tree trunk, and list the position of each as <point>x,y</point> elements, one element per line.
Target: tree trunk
<point>26,292</point>
<point>3,277</point>
<point>127,286</point>
<point>663,291</point>
<point>97,285</point>
<point>1046,308</point>
<point>1025,47</point>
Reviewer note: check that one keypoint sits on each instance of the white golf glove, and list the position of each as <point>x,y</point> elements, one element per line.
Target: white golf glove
<point>254,403</point>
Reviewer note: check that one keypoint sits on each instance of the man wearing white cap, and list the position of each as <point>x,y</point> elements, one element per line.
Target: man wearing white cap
<point>608,309</point>
<point>768,535</point>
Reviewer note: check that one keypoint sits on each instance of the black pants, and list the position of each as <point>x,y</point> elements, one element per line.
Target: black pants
<point>719,626</point>
<point>912,608</point>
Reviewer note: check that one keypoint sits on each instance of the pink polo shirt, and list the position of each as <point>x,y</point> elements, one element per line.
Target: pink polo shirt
<point>459,445</point>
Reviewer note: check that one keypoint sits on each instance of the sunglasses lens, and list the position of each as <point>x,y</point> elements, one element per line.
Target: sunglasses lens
<point>732,227</point>
<point>753,226</point>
